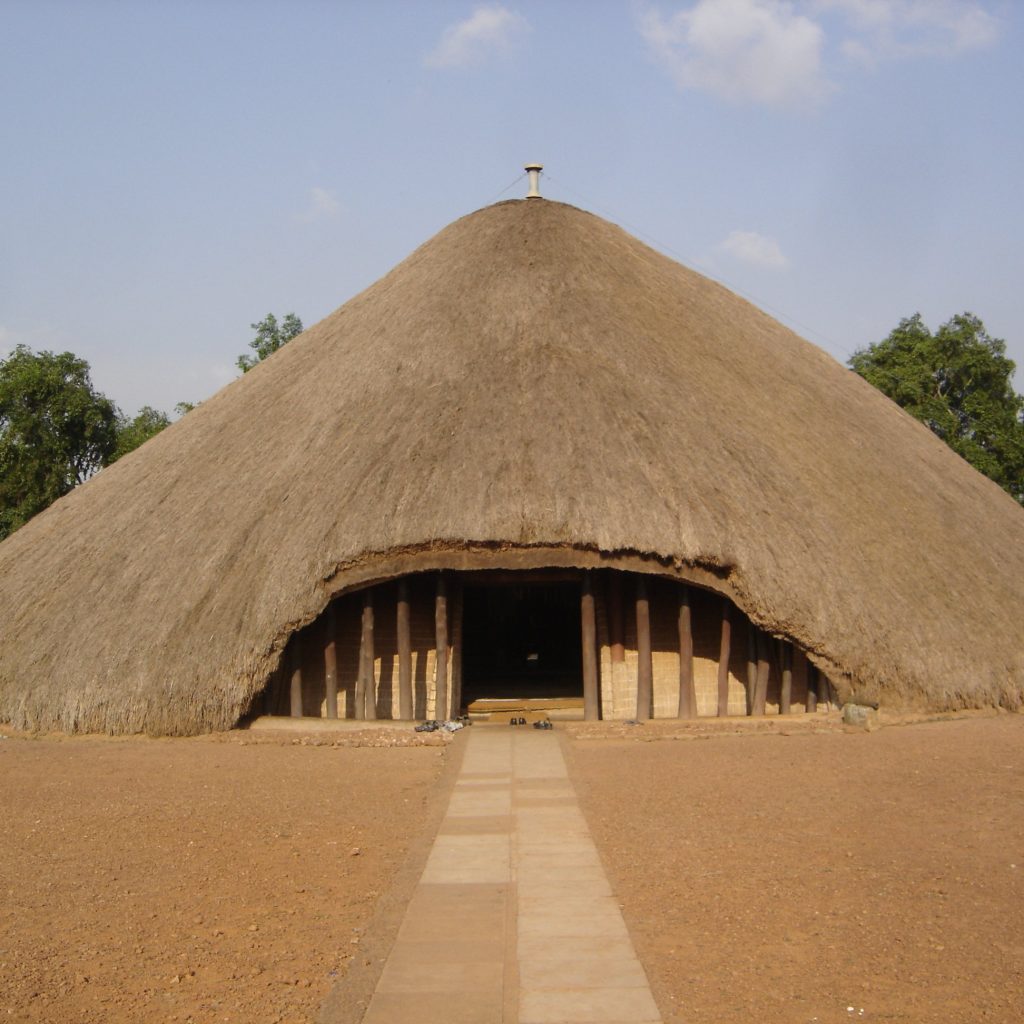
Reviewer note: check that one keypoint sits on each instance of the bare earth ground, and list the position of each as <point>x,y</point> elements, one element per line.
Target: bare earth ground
<point>214,879</point>
<point>765,878</point>
<point>820,877</point>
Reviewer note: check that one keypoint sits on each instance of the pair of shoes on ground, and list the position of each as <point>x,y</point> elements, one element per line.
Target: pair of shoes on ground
<point>452,725</point>
<point>542,724</point>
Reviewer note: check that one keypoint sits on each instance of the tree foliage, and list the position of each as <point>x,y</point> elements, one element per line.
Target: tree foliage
<point>270,336</point>
<point>959,383</point>
<point>140,428</point>
<point>56,430</point>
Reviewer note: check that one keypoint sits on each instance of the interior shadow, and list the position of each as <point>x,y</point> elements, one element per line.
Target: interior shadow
<point>521,641</point>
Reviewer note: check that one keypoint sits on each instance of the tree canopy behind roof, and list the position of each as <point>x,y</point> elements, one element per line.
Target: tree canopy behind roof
<point>959,383</point>
<point>270,336</point>
<point>56,430</point>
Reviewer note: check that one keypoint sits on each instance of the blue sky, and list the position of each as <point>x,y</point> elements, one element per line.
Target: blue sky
<point>172,171</point>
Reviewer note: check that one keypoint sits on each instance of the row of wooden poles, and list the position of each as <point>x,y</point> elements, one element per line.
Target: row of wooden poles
<point>365,697</point>
<point>758,658</point>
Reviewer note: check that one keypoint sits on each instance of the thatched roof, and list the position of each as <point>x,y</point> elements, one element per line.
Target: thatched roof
<point>532,383</point>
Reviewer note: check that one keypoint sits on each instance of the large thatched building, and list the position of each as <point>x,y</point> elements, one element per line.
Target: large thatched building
<point>536,458</point>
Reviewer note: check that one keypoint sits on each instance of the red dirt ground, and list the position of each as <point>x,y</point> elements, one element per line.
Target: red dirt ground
<point>820,878</point>
<point>203,880</point>
<point>765,878</point>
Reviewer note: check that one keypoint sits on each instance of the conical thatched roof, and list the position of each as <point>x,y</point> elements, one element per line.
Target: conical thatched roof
<point>531,378</point>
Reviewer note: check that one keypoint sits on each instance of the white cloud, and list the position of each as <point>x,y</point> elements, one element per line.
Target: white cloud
<point>772,51</point>
<point>322,205</point>
<point>203,379</point>
<point>759,50</point>
<point>490,28</point>
<point>323,202</point>
<point>220,374</point>
<point>886,29</point>
<point>757,250</point>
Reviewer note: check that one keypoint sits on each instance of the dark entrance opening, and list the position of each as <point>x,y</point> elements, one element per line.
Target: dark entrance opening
<point>521,641</point>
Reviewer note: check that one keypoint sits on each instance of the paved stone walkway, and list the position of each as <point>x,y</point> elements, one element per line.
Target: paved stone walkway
<point>513,920</point>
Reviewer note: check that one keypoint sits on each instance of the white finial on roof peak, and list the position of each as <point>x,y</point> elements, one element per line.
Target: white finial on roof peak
<point>533,170</point>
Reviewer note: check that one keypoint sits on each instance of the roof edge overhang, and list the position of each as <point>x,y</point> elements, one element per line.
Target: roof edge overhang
<point>378,567</point>
<point>722,578</point>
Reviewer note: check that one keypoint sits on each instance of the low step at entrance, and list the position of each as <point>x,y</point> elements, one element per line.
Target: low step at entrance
<point>533,709</point>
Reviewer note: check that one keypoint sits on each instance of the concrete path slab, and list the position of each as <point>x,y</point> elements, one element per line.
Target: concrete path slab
<point>513,920</point>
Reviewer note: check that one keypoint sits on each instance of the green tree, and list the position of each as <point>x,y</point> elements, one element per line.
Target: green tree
<point>56,430</point>
<point>270,336</point>
<point>959,383</point>
<point>133,432</point>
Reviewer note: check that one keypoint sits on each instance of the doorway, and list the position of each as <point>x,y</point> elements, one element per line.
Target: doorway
<point>521,641</point>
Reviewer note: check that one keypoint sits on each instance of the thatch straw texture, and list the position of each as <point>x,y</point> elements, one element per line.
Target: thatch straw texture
<point>532,381</point>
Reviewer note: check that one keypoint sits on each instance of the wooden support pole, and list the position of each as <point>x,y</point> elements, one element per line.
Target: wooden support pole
<point>811,704</point>
<point>370,693</point>
<point>645,659</point>
<point>786,690</point>
<point>366,695</point>
<point>752,634</point>
<point>441,637</point>
<point>687,693</point>
<point>588,620</point>
<point>723,660</point>
<point>455,648</point>
<point>616,620</point>
<point>404,630</point>
<point>763,668</point>
<point>824,697</point>
<point>331,662</point>
<point>295,665</point>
